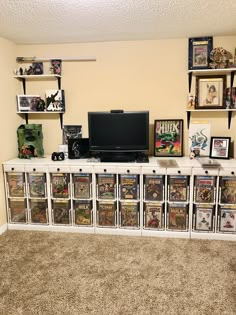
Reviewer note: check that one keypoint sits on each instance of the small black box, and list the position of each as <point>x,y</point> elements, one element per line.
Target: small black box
<point>78,148</point>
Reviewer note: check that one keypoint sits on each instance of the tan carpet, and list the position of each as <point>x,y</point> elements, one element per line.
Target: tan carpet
<point>64,273</point>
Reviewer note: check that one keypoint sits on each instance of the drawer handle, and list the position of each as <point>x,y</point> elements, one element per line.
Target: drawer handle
<point>80,169</point>
<point>58,169</point>
<point>12,168</point>
<point>105,170</point>
<point>154,171</point>
<point>206,172</point>
<point>128,171</point>
<point>34,169</point>
<point>232,173</point>
<point>179,172</point>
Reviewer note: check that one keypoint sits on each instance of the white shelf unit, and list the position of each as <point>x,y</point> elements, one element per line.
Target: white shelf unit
<point>186,169</point>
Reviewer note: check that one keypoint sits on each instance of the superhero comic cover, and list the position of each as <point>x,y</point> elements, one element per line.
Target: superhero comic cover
<point>82,184</point>
<point>61,212</point>
<point>83,212</point>
<point>153,187</point>
<point>227,219</point>
<point>106,184</point>
<point>153,215</point>
<point>128,186</point>
<point>177,217</point>
<point>106,213</point>
<point>37,186</point>
<point>204,189</point>
<point>18,210</point>
<point>39,211</point>
<point>129,214</point>
<point>204,218</point>
<point>16,184</point>
<point>178,187</point>
<point>60,185</point>
<point>228,190</point>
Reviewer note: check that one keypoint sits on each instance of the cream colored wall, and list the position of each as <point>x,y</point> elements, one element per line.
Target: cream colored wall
<point>8,118</point>
<point>130,75</point>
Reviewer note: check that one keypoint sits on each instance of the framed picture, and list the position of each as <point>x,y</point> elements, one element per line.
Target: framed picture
<point>71,132</point>
<point>210,92</point>
<point>199,49</point>
<point>168,137</point>
<point>27,103</point>
<point>55,101</point>
<point>220,147</point>
<point>199,136</point>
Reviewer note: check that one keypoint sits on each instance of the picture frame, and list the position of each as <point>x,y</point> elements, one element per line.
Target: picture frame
<point>210,92</point>
<point>199,49</point>
<point>27,103</point>
<point>168,137</point>
<point>220,147</point>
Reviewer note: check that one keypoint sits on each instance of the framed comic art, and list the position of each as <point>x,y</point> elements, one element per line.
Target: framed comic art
<point>199,49</point>
<point>168,137</point>
<point>210,92</point>
<point>220,147</point>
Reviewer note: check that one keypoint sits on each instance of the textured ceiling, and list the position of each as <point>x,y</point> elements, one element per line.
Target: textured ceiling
<point>67,21</point>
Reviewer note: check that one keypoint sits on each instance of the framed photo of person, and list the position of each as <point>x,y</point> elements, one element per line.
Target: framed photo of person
<point>210,92</point>
<point>168,137</point>
<point>27,103</point>
<point>199,49</point>
<point>220,147</point>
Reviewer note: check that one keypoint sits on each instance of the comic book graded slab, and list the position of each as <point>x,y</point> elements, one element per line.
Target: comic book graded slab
<point>228,189</point>
<point>61,212</point>
<point>204,218</point>
<point>39,208</point>
<point>227,219</point>
<point>204,189</point>
<point>129,214</point>
<point>153,215</point>
<point>16,184</point>
<point>153,187</point>
<point>17,208</point>
<point>60,185</point>
<point>83,212</point>
<point>106,184</point>
<point>177,217</point>
<point>106,213</point>
<point>82,184</point>
<point>178,187</point>
<point>37,187</point>
<point>128,186</point>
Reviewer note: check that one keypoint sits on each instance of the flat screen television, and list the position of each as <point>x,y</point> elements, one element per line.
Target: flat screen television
<point>118,132</point>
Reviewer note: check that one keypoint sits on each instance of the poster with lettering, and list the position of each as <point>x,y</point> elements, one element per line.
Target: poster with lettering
<point>168,137</point>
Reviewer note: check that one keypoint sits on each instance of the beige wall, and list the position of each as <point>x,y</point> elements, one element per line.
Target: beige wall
<point>8,118</point>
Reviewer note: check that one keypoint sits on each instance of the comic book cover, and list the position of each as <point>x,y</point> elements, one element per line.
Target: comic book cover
<point>60,185</point>
<point>82,184</point>
<point>106,186</point>
<point>61,212</point>
<point>82,212</point>
<point>56,66</point>
<point>153,187</point>
<point>55,100</point>
<point>106,213</point>
<point>153,215</point>
<point>71,132</point>
<point>16,184</point>
<point>129,214</point>
<point>204,189</point>
<point>227,219</point>
<point>178,187</point>
<point>128,186</point>
<point>17,209</point>
<point>177,217</point>
<point>38,209</point>
<point>228,190</point>
<point>37,187</point>
<point>204,218</point>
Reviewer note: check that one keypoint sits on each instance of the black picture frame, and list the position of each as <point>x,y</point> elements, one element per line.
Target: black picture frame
<point>220,148</point>
<point>168,137</point>
<point>199,49</point>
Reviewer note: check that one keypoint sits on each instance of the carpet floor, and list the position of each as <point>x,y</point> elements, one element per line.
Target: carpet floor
<point>52,273</point>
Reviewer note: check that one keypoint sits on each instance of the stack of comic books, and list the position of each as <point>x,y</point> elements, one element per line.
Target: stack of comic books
<point>228,190</point>
<point>178,188</point>
<point>37,185</point>
<point>61,212</point>
<point>82,186</point>
<point>153,215</point>
<point>227,219</point>
<point>203,217</point>
<point>106,213</point>
<point>129,188</point>
<point>106,184</point>
<point>82,212</point>
<point>18,210</point>
<point>16,184</point>
<point>60,185</point>
<point>178,217</point>
<point>39,211</point>
<point>129,214</point>
<point>153,187</point>
<point>204,189</point>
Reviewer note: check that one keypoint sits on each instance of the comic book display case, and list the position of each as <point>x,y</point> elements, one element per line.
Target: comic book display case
<point>143,199</point>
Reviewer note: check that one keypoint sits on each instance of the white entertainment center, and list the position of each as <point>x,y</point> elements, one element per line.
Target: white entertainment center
<point>33,203</point>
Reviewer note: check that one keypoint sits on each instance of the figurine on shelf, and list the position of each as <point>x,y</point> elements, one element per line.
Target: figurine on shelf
<point>191,101</point>
<point>220,58</point>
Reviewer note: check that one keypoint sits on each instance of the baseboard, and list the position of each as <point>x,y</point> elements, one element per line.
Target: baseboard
<point>3,228</point>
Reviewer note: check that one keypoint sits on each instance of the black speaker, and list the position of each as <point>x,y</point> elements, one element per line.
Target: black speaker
<point>78,148</point>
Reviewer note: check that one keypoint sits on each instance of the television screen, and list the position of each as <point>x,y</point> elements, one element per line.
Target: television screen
<point>118,131</point>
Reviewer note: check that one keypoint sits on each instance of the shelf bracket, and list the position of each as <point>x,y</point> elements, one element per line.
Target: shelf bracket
<point>24,86</point>
<point>59,82</point>
<point>188,118</point>
<point>232,78</point>
<point>61,119</point>
<point>190,75</point>
<point>229,118</point>
<point>26,118</point>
